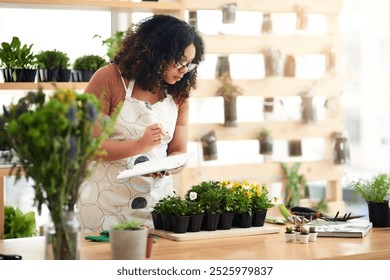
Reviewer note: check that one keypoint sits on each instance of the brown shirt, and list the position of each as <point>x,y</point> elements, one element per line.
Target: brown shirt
<point>107,81</point>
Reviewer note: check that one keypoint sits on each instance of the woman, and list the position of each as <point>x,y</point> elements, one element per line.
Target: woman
<point>149,80</point>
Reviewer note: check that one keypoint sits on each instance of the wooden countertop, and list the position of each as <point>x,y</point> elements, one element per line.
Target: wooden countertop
<point>375,246</point>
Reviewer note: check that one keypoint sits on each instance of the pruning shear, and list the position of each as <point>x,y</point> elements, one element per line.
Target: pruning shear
<point>312,214</point>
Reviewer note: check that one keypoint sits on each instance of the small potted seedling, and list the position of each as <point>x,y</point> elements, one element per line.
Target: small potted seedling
<point>304,235</point>
<point>289,234</point>
<point>312,234</point>
<point>128,241</point>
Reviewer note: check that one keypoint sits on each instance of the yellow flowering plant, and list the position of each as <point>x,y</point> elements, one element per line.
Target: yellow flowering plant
<point>260,199</point>
<point>242,197</point>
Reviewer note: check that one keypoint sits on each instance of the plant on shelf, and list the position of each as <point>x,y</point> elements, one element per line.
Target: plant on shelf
<point>53,64</point>
<point>265,142</point>
<point>295,184</point>
<point>87,65</point>
<point>55,142</point>
<point>229,91</point>
<point>15,58</point>
<point>53,59</point>
<point>112,43</point>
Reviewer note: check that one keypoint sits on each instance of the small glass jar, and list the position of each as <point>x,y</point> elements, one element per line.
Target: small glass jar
<point>341,153</point>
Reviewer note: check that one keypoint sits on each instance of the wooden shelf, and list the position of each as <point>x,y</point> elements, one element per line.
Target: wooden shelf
<point>330,86</point>
<point>48,86</point>
<point>141,6</point>
<point>269,6</point>
<point>286,44</point>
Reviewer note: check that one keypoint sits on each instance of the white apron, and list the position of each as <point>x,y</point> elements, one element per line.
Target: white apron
<point>105,201</point>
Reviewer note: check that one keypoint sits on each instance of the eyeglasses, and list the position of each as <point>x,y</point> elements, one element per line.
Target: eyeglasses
<point>181,65</point>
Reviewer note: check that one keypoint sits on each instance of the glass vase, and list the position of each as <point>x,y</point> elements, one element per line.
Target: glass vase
<point>62,235</point>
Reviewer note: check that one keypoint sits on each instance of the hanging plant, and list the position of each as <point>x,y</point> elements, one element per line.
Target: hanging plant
<point>229,91</point>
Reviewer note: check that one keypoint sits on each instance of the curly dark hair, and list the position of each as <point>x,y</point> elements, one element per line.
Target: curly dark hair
<point>151,46</point>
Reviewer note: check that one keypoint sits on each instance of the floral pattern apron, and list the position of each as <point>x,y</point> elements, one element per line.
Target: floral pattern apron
<point>105,201</point>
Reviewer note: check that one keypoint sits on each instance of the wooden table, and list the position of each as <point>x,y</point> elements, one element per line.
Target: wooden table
<point>375,246</point>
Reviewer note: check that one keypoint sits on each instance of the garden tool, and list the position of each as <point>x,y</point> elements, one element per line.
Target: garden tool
<point>312,214</point>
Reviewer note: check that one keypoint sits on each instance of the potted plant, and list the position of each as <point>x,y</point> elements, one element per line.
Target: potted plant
<point>18,224</point>
<point>243,206</point>
<point>304,235</point>
<point>55,142</point>
<point>195,211</point>
<point>210,196</point>
<point>164,208</point>
<point>112,43</point>
<point>375,191</point>
<point>180,215</point>
<point>312,234</point>
<point>128,241</point>
<point>229,91</point>
<point>295,184</point>
<point>260,203</point>
<point>228,204</point>
<point>15,58</point>
<point>209,146</point>
<point>265,142</point>
<point>289,234</point>
<point>86,65</point>
<point>54,66</point>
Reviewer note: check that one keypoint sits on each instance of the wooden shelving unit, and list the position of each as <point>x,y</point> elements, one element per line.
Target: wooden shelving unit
<point>330,86</point>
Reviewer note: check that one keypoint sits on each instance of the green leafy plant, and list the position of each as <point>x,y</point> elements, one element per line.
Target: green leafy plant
<point>112,43</point>
<point>194,205</point>
<point>55,143</point>
<point>312,229</point>
<point>18,224</point>
<point>89,62</point>
<point>374,189</point>
<point>129,225</point>
<point>295,184</point>
<point>228,89</point>
<point>17,56</point>
<point>53,59</point>
<point>289,230</point>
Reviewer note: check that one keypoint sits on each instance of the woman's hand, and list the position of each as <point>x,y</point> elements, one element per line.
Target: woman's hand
<point>152,137</point>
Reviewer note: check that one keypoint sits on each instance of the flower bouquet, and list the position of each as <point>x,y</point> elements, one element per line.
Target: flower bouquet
<point>54,142</point>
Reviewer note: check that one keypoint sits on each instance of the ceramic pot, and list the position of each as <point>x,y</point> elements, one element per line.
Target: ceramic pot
<point>128,244</point>
<point>313,236</point>
<point>289,237</point>
<point>304,238</point>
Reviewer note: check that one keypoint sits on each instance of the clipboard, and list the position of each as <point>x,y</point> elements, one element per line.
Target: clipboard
<point>155,165</point>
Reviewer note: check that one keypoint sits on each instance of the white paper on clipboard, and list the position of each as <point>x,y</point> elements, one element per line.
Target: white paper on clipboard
<point>155,165</point>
